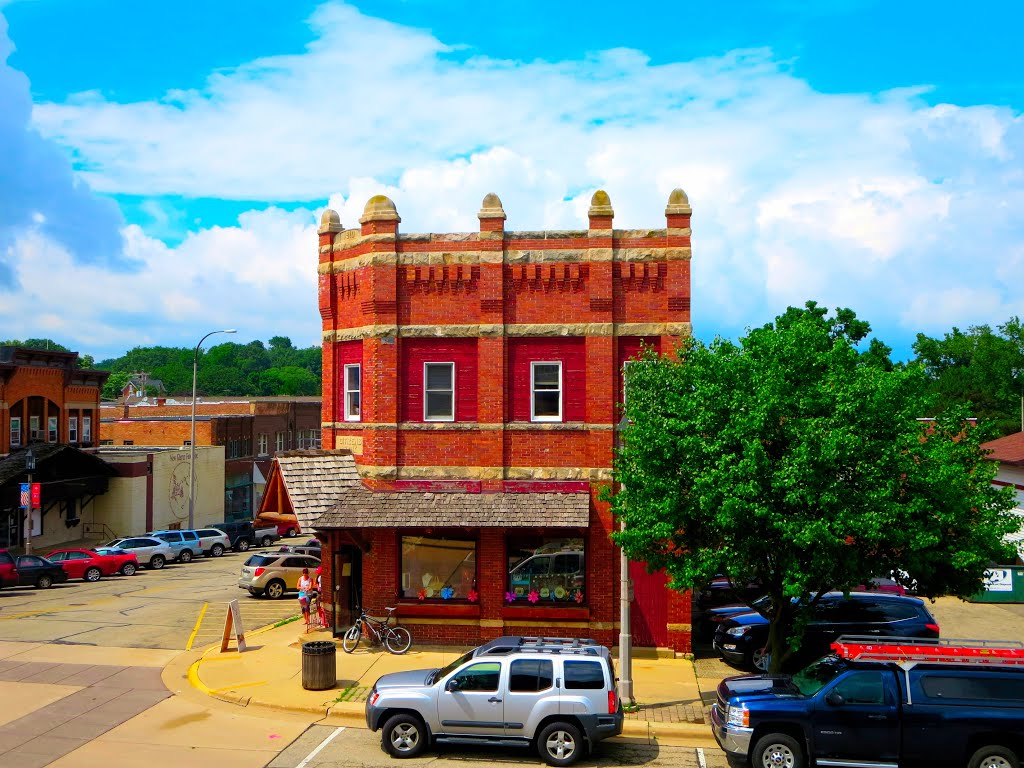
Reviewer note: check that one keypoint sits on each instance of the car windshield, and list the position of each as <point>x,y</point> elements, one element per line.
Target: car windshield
<point>820,673</point>
<point>447,670</point>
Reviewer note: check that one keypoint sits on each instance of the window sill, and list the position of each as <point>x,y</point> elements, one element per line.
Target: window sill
<point>551,612</point>
<point>440,610</point>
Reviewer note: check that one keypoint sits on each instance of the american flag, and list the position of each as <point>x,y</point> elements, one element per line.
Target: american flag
<point>25,494</point>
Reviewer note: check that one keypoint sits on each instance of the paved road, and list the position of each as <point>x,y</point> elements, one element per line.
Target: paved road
<point>332,747</point>
<point>152,609</point>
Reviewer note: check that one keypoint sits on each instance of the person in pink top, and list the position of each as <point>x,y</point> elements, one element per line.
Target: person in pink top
<point>305,585</point>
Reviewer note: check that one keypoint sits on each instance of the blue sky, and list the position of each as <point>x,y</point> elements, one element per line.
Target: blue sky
<point>164,166</point>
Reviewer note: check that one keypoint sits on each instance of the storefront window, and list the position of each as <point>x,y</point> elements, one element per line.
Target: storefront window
<point>546,570</point>
<point>438,568</point>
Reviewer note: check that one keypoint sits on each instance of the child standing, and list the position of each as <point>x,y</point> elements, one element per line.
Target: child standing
<point>305,584</point>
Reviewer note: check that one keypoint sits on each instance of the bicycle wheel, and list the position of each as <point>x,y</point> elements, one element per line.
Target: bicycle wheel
<point>398,640</point>
<point>351,639</point>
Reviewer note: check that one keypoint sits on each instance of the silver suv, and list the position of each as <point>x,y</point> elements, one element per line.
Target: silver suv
<point>213,541</point>
<point>554,694</point>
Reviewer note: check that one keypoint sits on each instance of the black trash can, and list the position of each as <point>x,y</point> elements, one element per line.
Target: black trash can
<point>319,665</point>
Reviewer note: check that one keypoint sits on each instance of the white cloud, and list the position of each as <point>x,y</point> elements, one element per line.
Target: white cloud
<point>875,201</point>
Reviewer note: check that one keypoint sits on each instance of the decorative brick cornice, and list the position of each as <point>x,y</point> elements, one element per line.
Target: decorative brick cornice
<point>484,330</point>
<point>470,426</point>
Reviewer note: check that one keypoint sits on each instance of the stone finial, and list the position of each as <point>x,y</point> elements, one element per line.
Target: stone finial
<point>600,204</point>
<point>330,222</point>
<point>678,204</point>
<point>379,208</point>
<point>491,208</point>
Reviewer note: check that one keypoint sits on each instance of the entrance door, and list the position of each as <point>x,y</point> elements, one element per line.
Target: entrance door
<point>648,614</point>
<point>348,571</point>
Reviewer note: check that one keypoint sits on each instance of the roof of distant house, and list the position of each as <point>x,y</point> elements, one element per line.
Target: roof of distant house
<point>1007,450</point>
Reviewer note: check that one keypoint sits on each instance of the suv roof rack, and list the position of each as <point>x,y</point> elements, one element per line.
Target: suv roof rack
<point>910,651</point>
<point>537,644</point>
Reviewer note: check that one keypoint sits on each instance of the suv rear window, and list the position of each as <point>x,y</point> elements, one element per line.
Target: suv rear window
<point>6,559</point>
<point>208,532</point>
<point>261,560</point>
<point>588,675</point>
<point>530,675</point>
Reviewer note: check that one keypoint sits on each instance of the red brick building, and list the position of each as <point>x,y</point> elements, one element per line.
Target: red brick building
<point>477,379</point>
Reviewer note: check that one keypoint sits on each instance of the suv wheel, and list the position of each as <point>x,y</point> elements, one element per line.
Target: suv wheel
<point>156,562</point>
<point>217,550</point>
<point>275,589</point>
<point>560,744</point>
<point>185,556</point>
<point>759,659</point>
<point>777,750</point>
<point>994,756</point>
<point>403,736</point>
<point>93,574</point>
<point>242,545</point>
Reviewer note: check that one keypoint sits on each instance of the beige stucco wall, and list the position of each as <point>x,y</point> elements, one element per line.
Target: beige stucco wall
<point>170,487</point>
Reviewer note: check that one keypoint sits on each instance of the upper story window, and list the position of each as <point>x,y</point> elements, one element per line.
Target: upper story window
<point>52,423</point>
<point>545,391</point>
<point>353,392</point>
<point>15,431</point>
<point>439,391</point>
<point>279,441</point>
<point>72,429</point>
<point>33,425</point>
<point>87,429</point>
<point>264,442</point>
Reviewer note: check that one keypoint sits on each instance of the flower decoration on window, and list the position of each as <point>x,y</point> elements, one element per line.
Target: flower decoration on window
<point>578,597</point>
<point>533,597</point>
<point>510,597</point>
<point>447,593</point>
<point>422,595</point>
<point>472,596</point>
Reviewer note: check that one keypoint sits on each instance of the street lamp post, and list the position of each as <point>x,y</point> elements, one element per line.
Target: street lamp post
<point>192,442</point>
<point>30,467</point>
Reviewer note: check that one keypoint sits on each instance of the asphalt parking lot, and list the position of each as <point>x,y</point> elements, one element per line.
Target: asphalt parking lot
<point>180,606</point>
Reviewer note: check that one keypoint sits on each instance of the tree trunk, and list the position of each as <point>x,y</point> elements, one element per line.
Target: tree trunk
<point>778,646</point>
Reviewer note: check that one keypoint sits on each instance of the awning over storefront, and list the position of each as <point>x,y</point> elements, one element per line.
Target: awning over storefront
<point>361,508</point>
<point>303,484</point>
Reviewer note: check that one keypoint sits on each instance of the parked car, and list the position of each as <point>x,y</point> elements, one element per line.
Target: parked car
<point>275,573</point>
<point>556,694</point>
<point>741,639</point>
<point>36,571</point>
<point>244,535</point>
<point>311,547</point>
<point>908,705</point>
<point>721,592</point>
<point>213,541</point>
<point>8,569</point>
<point>152,553</point>
<point>91,564</point>
<point>184,543</point>
<point>288,530</point>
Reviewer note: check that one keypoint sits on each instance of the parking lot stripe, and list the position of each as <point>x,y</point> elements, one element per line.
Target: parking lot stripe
<point>195,629</point>
<point>306,760</point>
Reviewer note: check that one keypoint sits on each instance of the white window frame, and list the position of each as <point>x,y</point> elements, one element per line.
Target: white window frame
<point>33,428</point>
<point>349,416</point>
<point>264,441</point>
<point>87,429</point>
<point>533,391</point>
<point>279,441</point>
<point>72,429</point>
<point>15,431</point>
<point>52,429</point>
<point>426,416</point>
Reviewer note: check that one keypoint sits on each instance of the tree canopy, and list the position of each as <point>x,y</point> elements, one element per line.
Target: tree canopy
<point>794,460</point>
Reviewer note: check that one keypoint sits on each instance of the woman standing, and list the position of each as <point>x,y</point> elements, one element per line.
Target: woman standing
<point>305,584</point>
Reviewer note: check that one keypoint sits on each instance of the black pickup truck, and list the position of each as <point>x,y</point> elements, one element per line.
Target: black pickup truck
<point>881,704</point>
<point>243,534</point>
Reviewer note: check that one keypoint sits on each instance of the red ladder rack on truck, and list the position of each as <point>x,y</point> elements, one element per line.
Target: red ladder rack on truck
<point>918,650</point>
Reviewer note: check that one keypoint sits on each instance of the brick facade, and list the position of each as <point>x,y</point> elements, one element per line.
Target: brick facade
<point>502,307</point>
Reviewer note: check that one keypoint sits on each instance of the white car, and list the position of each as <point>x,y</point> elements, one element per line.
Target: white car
<point>213,541</point>
<point>152,553</point>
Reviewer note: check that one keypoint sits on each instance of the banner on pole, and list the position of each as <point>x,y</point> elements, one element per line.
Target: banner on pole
<point>24,495</point>
<point>37,493</point>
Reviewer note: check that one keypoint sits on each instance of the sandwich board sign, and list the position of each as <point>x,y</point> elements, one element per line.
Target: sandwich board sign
<point>233,623</point>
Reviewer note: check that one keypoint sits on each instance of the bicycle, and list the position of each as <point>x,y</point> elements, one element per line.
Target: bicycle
<point>379,631</point>
<point>317,614</point>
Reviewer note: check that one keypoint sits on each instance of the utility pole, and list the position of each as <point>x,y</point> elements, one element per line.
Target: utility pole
<point>1018,374</point>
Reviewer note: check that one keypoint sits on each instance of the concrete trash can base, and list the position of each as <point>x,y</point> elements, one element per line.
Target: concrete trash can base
<point>319,665</point>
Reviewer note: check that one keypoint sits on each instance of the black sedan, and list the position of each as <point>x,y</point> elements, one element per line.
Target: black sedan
<point>742,639</point>
<point>35,571</point>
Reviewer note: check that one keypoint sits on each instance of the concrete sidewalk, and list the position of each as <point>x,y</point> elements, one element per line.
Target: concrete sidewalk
<point>269,675</point>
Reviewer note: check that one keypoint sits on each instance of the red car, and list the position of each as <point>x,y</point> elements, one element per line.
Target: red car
<point>90,565</point>
<point>8,570</point>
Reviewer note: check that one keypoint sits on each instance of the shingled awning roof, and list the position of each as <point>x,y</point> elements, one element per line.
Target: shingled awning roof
<point>1007,450</point>
<point>315,480</point>
<point>361,508</point>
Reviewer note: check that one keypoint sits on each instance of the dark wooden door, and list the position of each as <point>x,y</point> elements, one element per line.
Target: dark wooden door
<point>348,570</point>
<point>648,615</point>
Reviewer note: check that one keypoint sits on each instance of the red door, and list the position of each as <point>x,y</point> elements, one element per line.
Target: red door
<point>648,615</point>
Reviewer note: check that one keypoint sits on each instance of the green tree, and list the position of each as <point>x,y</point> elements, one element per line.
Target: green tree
<point>977,368</point>
<point>115,385</point>
<point>47,344</point>
<point>793,460</point>
<point>288,380</point>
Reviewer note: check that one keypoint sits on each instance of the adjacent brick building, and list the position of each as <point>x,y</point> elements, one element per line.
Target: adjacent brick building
<point>477,380</point>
